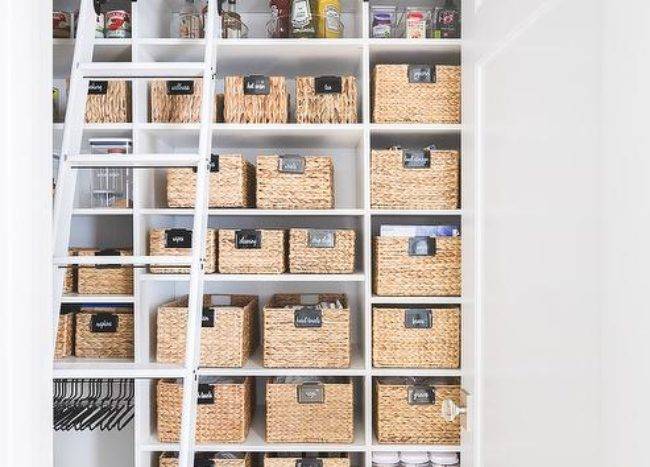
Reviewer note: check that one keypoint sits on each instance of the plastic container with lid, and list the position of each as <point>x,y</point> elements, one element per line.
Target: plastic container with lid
<point>447,459</point>
<point>414,459</point>
<point>385,459</point>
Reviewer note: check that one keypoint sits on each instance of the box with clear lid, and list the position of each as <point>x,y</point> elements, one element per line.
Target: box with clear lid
<point>110,187</point>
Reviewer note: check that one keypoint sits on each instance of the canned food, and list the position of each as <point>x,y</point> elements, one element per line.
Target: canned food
<point>61,25</point>
<point>118,24</point>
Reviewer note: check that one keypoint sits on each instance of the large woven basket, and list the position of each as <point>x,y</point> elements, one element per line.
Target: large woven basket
<point>64,335</point>
<point>415,180</point>
<point>321,251</point>
<point>246,108</point>
<point>70,281</point>
<point>176,101</point>
<point>395,272</point>
<point>108,102</point>
<point>104,333</point>
<point>291,421</point>
<point>160,238</point>
<point>224,416</point>
<point>396,100</point>
<point>105,279</point>
<point>231,182</point>
<point>295,182</point>
<point>222,459</point>
<point>326,99</point>
<point>290,460</point>
<point>297,335</point>
<point>399,420</point>
<point>268,257</point>
<point>228,333</point>
<point>416,337</point>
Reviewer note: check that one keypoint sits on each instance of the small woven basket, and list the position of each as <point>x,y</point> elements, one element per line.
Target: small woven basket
<point>176,101</point>
<point>70,281</point>
<point>430,181</point>
<point>178,242</point>
<point>326,99</point>
<point>291,342</point>
<point>105,279</point>
<point>232,184</point>
<point>64,335</point>
<point>295,182</point>
<point>224,410</point>
<point>328,420</point>
<point>243,459</point>
<point>108,102</point>
<point>321,251</point>
<point>416,337</point>
<point>396,272</point>
<point>397,100</point>
<point>252,251</point>
<point>399,420</point>
<point>104,333</point>
<point>261,108</point>
<point>228,333</point>
<point>275,460</point>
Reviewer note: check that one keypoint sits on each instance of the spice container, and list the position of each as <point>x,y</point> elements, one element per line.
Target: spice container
<point>444,459</point>
<point>118,24</point>
<point>328,19</point>
<point>416,23</point>
<point>110,187</point>
<point>231,24</point>
<point>61,25</point>
<point>414,459</point>
<point>385,459</point>
<point>187,23</point>
<point>303,21</point>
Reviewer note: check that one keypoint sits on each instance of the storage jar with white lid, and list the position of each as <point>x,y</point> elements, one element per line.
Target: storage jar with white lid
<point>414,459</point>
<point>385,459</point>
<point>439,459</point>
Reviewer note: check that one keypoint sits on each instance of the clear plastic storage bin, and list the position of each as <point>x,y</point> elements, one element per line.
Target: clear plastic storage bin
<point>110,187</point>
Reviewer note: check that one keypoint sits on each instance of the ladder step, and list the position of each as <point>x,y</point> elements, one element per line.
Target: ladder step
<point>124,260</point>
<point>142,70</point>
<point>134,160</point>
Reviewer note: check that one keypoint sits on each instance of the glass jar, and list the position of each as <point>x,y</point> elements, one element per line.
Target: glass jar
<point>110,187</point>
<point>444,459</point>
<point>414,459</point>
<point>385,459</point>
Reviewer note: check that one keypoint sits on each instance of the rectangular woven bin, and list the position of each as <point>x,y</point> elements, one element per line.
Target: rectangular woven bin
<point>223,415</point>
<point>64,346</point>
<point>104,333</point>
<point>252,251</point>
<point>295,182</point>
<point>70,280</point>
<point>428,179</point>
<point>231,184</point>
<point>272,107</point>
<point>328,418</point>
<point>396,272</point>
<point>221,459</point>
<point>398,419</point>
<point>297,335</point>
<point>326,99</point>
<point>178,242</point>
<point>313,251</point>
<point>290,460</point>
<point>228,333</point>
<point>397,100</point>
<point>416,337</point>
<point>176,101</point>
<point>108,102</point>
<point>111,279</point>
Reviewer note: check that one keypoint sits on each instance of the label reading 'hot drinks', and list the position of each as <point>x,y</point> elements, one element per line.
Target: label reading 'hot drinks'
<point>321,238</point>
<point>308,317</point>
<point>207,318</point>
<point>205,395</point>
<point>416,159</point>
<point>421,395</point>
<point>417,318</point>
<point>422,74</point>
<point>180,88</point>
<point>256,85</point>
<point>97,87</point>
<point>422,246</point>
<point>178,238</point>
<point>104,322</point>
<point>328,85</point>
<point>248,239</point>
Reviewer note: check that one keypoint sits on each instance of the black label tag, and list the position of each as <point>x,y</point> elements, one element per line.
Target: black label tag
<point>422,246</point>
<point>97,87</point>
<point>416,159</point>
<point>207,318</point>
<point>178,238</point>
<point>205,395</point>
<point>308,317</point>
<point>321,238</point>
<point>291,164</point>
<point>214,164</point>
<point>256,85</point>
<point>328,85</point>
<point>104,322</point>
<point>421,395</point>
<point>422,74</point>
<point>107,252</point>
<point>417,318</point>
<point>309,462</point>
<point>311,393</point>
<point>248,239</point>
<point>180,88</point>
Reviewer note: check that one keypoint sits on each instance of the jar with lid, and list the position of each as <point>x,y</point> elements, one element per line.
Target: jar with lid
<point>414,459</point>
<point>187,22</point>
<point>303,22</point>
<point>444,459</point>
<point>110,187</point>
<point>385,459</point>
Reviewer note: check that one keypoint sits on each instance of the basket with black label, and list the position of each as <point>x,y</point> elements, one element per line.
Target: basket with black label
<point>176,101</point>
<point>248,251</point>
<point>108,102</point>
<point>104,332</point>
<point>178,242</point>
<point>256,99</point>
<point>326,99</point>
<point>105,278</point>
<point>333,459</point>
<point>319,251</point>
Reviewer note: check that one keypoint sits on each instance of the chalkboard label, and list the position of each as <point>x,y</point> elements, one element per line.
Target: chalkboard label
<point>180,88</point>
<point>311,393</point>
<point>421,395</point>
<point>417,318</point>
<point>256,85</point>
<point>205,395</point>
<point>97,87</point>
<point>207,318</point>
<point>291,164</point>
<point>321,238</point>
<point>422,74</point>
<point>417,159</point>
<point>248,239</point>
<point>104,322</point>
<point>309,462</point>
<point>178,238</point>
<point>422,246</point>
<point>328,85</point>
<point>308,317</point>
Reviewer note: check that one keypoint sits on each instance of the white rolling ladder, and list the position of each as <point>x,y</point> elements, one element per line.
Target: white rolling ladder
<point>83,69</point>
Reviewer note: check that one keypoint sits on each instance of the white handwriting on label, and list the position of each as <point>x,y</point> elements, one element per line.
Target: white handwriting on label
<point>204,395</point>
<point>311,393</point>
<point>255,86</point>
<point>104,324</point>
<point>422,74</point>
<point>314,320</point>
<point>247,241</point>
<point>419,321</point>
<point>180,87</point>
<point>178,239</point>
<point>421,396</point>
<point>421,248</point>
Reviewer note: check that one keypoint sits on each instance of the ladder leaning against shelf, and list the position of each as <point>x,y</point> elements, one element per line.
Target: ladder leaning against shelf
<point>83,69</point>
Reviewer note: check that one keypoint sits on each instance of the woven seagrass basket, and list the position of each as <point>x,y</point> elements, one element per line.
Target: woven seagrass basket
<point>70,281</point>
<point>415,180</point>
<point>398,100</point>
<point>326,99</point>
<point>108,102</point>
<point>104,333</point>
<point>396,272</point>
<point>297,335</point>
<point>295,182</point>
<point>252,251</point>
<point>321,251</point>
<point>65,334</point>
<point>176,101</point>
<point>240,107</point>
<point>228,332</point>
<point>111,279</point>
<point>221,459</point>
<point>289,460</point>
<point>399,420</point>
<point>416,337</point>
<point>224,411</point>
<point>178,242</point>
<point>231,182</point>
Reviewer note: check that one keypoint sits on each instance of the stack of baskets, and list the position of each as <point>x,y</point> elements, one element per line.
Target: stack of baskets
<point>108,102</point>
<point>178,242</point>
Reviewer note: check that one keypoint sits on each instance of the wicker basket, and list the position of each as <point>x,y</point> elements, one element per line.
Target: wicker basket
<point>225,459</point>
<point>297,335</point>
<point>416,337</point>
<point>104,333</point>
<point>290,460</point>
<point>416,94</point>
<point>105,279</point>
<point>295,182</point>
<point>326,99</point>
<point>324,413</point>
<point>224,410</point>
<point>426,179</point>
<point>231,180</point>
<point>252,251</point>
<point>269,105</point>
<point>228,333</point>
<point>396,272</point>
<point>178,242</point>
<point>321,251</point>
<point>70,281</point>
<point>174,101</point>
<point>108,102</point>
<point>400,419</point>
<point>65,334</point>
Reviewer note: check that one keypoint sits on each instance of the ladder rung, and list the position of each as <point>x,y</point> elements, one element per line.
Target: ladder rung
<point>134,160</point>
<point>142,70</point>
<point>124,260</point>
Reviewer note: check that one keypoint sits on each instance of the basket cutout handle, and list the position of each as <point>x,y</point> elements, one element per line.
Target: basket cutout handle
<point>311,393</point>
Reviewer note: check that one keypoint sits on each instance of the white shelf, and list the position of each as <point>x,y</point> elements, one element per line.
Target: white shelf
<point>375,299</point>
<point>112,368</point>
<point>269,42</point>
<point>355,277</point>
<point>416,128</point>
<point>102,212</point>
<point>424,212</point>
<point>254,212</point>
<point>396,45</point>
<point>416,371</point>
<point>77,298</point>
<point>414,447</point>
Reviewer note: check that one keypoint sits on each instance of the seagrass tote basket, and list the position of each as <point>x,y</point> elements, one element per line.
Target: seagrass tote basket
<point>416,94</point>
<point>409,410</point>
<point>256,99</point>
<point>70,278</point>
<point>317,251</point>
<point>231,183</point>
<point>228,330</point>
<point>415,179</point>
<point>224,409</point>
<point>108,102</point>
<point>204,459</point>
<point>176,101</point>
<point>178,242</point>
<point>252,251</point>
<point>273,459</point>
<point>104,332</point>
<point>326,99</point>
<point>64,346</point>
<point>307,331</point>
<point>105,279</point>
<point>295,182</point>
<point>416,337</point>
